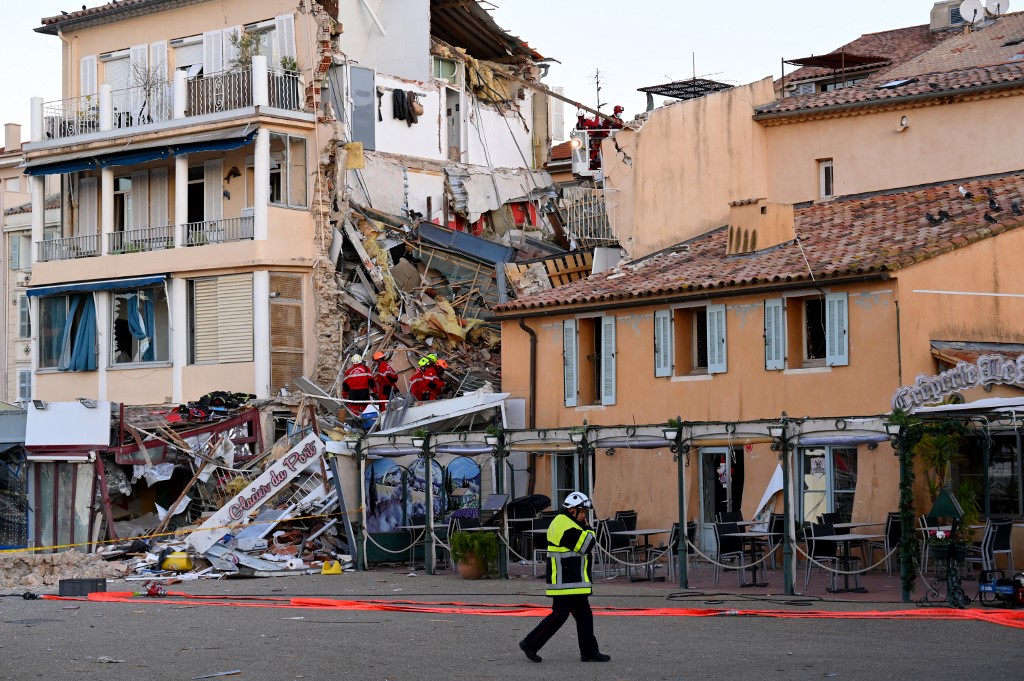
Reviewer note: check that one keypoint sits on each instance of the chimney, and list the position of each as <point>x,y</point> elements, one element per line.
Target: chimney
<point>756,224</point>
<point>12,137</point>
<point>946,14</point>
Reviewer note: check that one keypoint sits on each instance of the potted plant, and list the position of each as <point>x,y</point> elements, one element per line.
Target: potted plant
<point>474,552</point>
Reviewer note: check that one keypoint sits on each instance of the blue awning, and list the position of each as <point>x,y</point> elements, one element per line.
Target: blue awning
<point>216,140</point>
<point>102,285</point>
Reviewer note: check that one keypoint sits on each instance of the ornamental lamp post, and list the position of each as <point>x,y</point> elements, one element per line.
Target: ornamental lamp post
<point>675,436</point>
<point>897,436</point>
<point>779,433</point>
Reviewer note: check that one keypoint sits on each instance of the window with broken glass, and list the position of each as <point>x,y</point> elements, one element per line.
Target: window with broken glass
<point>139,326</point>
<point>67,333</point>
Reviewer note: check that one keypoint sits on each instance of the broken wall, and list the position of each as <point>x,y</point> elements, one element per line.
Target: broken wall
<point>402,49</point>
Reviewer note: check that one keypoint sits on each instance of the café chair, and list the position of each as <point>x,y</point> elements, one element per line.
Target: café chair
<point>825,552</point>
<point>893,532</point>
<point>730,549</point>
<point>669,551</point>
<point>616,545</point>
<point>730,516</point>
<point>980,552</point>
<point>1001,530</point>
<point>539,540</point>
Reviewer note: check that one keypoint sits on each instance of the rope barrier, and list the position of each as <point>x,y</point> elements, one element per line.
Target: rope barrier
<point>885,559</point>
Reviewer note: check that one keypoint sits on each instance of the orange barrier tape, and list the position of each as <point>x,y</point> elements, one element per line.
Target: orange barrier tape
<point>1006,618</point>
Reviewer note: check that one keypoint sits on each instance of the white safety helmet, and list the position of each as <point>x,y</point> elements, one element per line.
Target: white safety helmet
<point>577,499</point>
<point>356,359</point>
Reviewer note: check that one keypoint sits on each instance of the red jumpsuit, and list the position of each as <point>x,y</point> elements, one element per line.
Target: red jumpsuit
<point>385,378</point>
<point>426,385</point>
<point>357,385</point>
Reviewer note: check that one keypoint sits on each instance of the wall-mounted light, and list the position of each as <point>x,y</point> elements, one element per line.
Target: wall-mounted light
<point>40,405</point>
<point>576,436</point>
<point>87,403</point>
<point>610,451</point>
<point>893,431</point>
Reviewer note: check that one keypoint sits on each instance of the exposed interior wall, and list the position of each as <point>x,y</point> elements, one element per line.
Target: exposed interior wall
<point>423,138</point>
<point>675,177</point>
<point>872,151</point>
<point>403,49</point>
<point>507,135</point>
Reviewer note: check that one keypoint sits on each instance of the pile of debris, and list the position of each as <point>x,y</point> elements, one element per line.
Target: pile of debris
<point>19,570</point>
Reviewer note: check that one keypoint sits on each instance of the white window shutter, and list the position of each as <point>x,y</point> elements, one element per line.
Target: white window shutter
<point>14,257</point>
<point>774,335</point>
<point>25,252</point>
<point>24,385</point>
<point>230,51</point>
<point>88,204</point>
<point>205,321</point>
<point>139,56</point>
<point>663,343</point>
<point>557,115</point>
<point>608,360</point>
<point>158,197</point>
<point>87,76</point>
<point>160,92</point>
<point>24,318</point>
<point>235,318</point>
<point>213,182</point>
<point>837,350</point>
<point>140,200</point>
<point>284,31</point>
<point>570,366</point>
<point>716,339</point>
<point>213,52</point>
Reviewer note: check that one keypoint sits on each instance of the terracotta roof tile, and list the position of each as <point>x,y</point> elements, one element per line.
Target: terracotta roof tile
<point>50,202</point>
<point>844,237</point>
<point>984,46</point>
<point>562,152</point>
<point>897,45</point>
<point>91,11</point>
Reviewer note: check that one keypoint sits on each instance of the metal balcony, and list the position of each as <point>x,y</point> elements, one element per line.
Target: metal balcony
<point>139,240</point>
<point>218,231</point>
<point>69,248</point>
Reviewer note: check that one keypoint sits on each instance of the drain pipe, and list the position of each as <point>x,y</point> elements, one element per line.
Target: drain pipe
<point>532,418</point>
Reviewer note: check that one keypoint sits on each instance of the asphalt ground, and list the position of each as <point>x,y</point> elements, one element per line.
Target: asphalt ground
<point>156,639</point>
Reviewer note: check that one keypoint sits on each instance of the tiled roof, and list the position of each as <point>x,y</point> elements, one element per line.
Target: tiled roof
<point>923,86</point>
<point>50,202</point>
<point>118,8</point>
<point>845,237</point>
<point>897,45</point>
<point>959,61</point>
<point>562,152</point>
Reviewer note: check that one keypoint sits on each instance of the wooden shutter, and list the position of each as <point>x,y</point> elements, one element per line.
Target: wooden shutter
<point>235,306</point>
<point>284,32</point>
<point>140,200</point>
<point>230,51</point>
<point>663,345</point>
<point>716,339</point>
<point>608,360</point>
<point>24,385</point>
<point>158,197</point>
<point>222,319</point>
<point>213,52</point>
<point>213,183</point>
<point>570,365</point>
<point>88,204</point>
<point>836,332</point>
<point>286,330</point>
<point>774,335</point>
<point>87,76</point>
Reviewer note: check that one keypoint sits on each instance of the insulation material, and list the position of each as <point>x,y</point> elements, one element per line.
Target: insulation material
<point>442,322</point>
<point>477,191</point>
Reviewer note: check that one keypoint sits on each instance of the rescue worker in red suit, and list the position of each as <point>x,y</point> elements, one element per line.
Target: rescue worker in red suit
<point>426,385</point>
<point>599,128</point>
<point>385,378</point>
<point>357,384</point>
<point>437,386</point>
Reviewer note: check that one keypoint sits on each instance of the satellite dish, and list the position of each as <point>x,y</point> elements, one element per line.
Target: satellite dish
<point>972,11</point>
<point>997,7</point>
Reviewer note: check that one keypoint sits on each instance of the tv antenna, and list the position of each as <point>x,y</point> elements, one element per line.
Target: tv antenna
<point>972,11</point>
<point>597,85</point>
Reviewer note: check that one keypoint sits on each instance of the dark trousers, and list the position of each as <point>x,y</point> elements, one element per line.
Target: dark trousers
<point>561,607</point>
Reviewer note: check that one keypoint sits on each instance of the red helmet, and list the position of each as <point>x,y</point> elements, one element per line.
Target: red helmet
<point>377,356</point>
<point>618,108</point>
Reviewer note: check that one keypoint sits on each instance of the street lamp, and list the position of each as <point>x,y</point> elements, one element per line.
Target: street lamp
<point>576,436</point>
<point>418,442</point>
<point>895,431</point>
<point>491,440</point>
<point>780,443</point>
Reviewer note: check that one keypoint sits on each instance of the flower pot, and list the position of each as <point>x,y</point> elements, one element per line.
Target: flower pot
<point>471,567</point>
<point>956,553</point>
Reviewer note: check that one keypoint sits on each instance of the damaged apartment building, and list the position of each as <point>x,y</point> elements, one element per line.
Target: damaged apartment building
<point>251,191</point>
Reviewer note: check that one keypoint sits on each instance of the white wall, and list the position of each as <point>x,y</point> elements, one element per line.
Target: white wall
<point>404,47</point>
<point>421,139</point>
<point>507,143</point>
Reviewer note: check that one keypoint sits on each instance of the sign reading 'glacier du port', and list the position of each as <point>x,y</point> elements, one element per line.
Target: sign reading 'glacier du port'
<point>989,370</point>
<point>257,492</point>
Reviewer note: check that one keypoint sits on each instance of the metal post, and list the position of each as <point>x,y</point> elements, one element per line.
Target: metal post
<point>499,454</point>
<point>986,452</point>
<point>428,477</point>
<point>906,499</point>
<point>787,544</point>
<point>681,547</point>
<point>358,539</point>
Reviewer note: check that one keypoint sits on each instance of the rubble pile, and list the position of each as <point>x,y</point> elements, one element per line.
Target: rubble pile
<point>19,570</point>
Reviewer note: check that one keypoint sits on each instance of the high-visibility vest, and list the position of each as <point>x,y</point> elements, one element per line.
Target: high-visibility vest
<point>569,557</point>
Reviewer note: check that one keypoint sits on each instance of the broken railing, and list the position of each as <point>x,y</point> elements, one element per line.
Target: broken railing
<point>587,221</point>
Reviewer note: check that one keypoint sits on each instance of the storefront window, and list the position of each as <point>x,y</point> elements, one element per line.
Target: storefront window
<point>1004,474</point>
<point>828,481</point>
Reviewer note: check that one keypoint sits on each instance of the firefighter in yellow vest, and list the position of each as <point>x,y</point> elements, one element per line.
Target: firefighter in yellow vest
<point>571,544</point>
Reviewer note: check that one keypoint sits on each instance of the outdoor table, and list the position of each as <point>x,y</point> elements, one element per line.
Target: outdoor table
<point>750,540</point>
<point>849,526</point>
<point>844,559</point>
<point>646,546</point>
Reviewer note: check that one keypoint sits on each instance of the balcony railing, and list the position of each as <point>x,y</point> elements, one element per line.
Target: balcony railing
<point>587,217</point>
<point>138,240</point>
<point>135,106</point>
<point>69,248</point>
<point>114,110</point>
<point>285,90</point>
<point>218,231</point>
<point>71,117</point>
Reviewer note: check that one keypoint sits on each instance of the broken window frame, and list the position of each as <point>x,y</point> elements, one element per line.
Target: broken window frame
<point>147,349</point>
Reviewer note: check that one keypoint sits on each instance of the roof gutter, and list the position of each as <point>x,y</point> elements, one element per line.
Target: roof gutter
<point>923,96</point>
<point>712,294</point>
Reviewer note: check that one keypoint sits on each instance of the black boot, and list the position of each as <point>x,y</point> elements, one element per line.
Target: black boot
<point>531,655</point>
<point>597,657</point>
